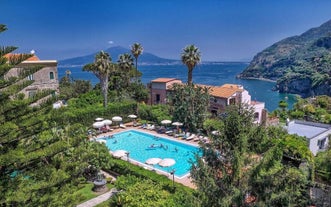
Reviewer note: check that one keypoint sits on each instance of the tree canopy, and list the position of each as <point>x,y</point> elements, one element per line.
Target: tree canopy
<point>246,163</point>
<point>101,68</point>
<point>136,51</point>
<point>190,57</point>
<point>42,162</point>
<point>189,105</point>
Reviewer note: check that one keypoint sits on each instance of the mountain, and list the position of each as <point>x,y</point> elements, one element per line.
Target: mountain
<point>299,64</point>
<point>145,58</point>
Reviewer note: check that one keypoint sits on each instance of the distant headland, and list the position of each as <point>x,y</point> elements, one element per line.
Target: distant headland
<point>299,64</point>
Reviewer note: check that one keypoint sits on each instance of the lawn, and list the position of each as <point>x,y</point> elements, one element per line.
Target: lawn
<point>86,191</point>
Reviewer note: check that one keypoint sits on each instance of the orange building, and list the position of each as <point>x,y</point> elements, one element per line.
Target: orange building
<point>221,96</point>
<point>160,88</point>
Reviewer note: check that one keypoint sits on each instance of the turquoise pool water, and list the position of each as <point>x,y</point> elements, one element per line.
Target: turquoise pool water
<point>139,145</point>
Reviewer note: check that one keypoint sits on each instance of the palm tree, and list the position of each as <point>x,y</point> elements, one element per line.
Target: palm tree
<point>136,50</point>
<point>190,57</point>
<point>68,75</point>
<point>125,62</point>
<point>101,68</point>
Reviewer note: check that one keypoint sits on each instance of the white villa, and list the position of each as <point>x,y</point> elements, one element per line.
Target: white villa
<point>317,134</point>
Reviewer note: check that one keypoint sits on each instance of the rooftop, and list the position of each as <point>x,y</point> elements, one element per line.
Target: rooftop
<point>226,90</point>
<point>238,87</point>
<point>306,129</point>
<point>163,80</point>
<point>13,55</point>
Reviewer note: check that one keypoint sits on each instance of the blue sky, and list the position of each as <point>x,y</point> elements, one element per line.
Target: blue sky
<point>224,30</point>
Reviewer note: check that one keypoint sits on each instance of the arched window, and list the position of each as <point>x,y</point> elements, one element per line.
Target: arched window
<point>51,75</point>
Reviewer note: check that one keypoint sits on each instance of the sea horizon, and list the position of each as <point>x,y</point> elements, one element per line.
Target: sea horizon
<point>177,62</point>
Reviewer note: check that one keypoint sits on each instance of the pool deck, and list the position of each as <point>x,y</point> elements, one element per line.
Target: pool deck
<point>186,180</point>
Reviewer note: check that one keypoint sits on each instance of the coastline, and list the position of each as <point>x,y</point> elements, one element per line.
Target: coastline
<point>261,79</point>
<point>212,74</point>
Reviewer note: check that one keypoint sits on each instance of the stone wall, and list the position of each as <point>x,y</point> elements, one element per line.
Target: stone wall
<point>42,78</point>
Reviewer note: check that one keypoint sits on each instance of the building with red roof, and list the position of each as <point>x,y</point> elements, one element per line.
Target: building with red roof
<point>45,78</point>
<point>222,96</point>
<point>160,88</point>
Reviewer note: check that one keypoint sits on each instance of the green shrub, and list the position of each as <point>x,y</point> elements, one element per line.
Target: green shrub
<point>154,113</point>
<point>87,114</point>
<point>134,179</point>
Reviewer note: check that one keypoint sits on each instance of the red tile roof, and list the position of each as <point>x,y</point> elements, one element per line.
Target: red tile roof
<point>227,85</point>
<point>223,92</point>
<point>163,80</point>
<point>33,58</point>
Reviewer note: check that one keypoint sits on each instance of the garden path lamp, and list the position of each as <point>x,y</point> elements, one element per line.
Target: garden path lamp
<point>172,172</point>
<point>167,162</point>
<point>128,156</point>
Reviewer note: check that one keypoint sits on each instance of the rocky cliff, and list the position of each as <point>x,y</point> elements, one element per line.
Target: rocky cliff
<point>299,64</point>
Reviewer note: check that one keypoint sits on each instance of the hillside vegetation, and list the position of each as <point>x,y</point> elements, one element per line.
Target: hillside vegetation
<point>300,64</point>
<point>317,109</point>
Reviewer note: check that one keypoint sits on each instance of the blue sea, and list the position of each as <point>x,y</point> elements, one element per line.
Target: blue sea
<point>210,74</point>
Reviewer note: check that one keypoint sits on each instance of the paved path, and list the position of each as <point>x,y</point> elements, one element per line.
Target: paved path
<point>101,198</point>
<point>97,200</point>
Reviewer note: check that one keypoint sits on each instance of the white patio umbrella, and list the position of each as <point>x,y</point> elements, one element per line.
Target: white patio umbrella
<point>177,124</point>
<point>165,122</point>
<point>116,118</point>
<point>98,119</point>
<point>98,124</point>
<point>132,116</point>
<point>119,153</point>
<point>167,162</point>
<point>153,161</point>
<point>107,122</point>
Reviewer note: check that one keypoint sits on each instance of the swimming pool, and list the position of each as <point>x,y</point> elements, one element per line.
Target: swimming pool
<point>138,144</point>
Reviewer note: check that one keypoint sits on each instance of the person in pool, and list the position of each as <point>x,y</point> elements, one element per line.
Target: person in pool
<point>164,147</point>
<point>156,138</point>
<point>115,141</point>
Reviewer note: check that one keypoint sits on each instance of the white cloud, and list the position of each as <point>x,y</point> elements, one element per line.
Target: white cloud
<point>32,51</point>
<point>110,42</point>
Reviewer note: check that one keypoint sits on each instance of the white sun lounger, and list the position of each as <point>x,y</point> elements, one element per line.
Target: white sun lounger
<point>169,132</point>
<point>122,126</point>
<point>101,141</point>
<point>192,136</point>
